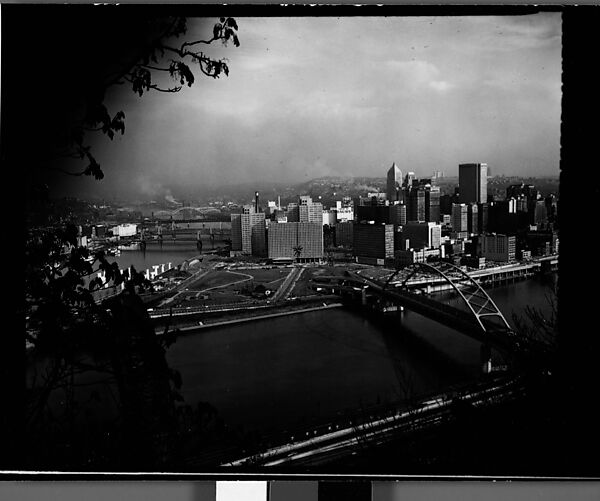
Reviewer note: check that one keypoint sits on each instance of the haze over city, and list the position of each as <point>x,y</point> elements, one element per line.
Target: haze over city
<point>309,97</point>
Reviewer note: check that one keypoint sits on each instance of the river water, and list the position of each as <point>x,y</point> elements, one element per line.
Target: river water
<point>169,252</point>
<point>291,371</point>
<point>303,369</point>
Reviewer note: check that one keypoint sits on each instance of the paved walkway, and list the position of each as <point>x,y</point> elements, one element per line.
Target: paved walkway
<point>181,287</point>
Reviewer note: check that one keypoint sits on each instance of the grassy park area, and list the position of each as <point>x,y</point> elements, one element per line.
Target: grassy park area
<point>303,286</point>
<point>224,287</point>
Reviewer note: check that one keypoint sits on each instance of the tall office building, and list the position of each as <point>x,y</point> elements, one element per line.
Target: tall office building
<point>472,181</point>
<point>408,179</point>
<point>344,234</point>
<point>293,212</point>
<point>236,232</point>
<point>538,213</point>
<point>248,232</point>
<point>421,235</point>
<point>394,183</point>
<point>551,207</point>
<point>284,238</point>
<point>498,247</point>
<point>432,204</point>
<point>378,214</point>
<point>343,214</point>
<point>416,203</point>
<point>460,218</point>
<point>423,202</point>
<point>398,214</point>
<point>482,218</point>
<point>472,218</point>
<point>373,243</point>
<point>309,211</point>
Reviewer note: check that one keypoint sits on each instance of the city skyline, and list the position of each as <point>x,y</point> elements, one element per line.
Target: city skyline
<point>308,97</point>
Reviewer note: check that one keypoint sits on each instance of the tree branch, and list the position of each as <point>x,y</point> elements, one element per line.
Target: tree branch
<point>173,89</point>
<point>152,67</point>
<point>207,42</point>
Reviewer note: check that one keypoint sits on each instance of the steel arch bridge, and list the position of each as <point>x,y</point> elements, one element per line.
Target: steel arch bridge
<point>478,302</point>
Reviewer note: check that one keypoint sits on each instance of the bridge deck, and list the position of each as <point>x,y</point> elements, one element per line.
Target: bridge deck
<point>496,335</point>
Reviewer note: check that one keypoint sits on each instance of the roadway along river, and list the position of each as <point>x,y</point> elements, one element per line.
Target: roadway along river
<point>281,372</point>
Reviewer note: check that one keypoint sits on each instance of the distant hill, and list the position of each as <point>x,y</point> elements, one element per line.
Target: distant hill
<point>328,189</point>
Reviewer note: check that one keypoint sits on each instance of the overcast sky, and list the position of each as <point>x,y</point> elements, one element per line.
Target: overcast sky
<point>308,97</point>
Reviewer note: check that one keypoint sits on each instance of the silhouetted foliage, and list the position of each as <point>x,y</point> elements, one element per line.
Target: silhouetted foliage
<point>60,100</point>
<point>99,392</point>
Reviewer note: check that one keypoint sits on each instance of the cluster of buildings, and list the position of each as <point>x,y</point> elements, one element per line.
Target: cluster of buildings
<point>87,232</point>
<point>412,221</point>
<point>295,232</point>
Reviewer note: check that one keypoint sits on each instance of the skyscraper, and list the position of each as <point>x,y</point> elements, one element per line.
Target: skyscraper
<point>309,211</point>
<point>472,218</point>
<point>432,204</point>
<point>248,231</point>
<point>460,218</point>
<point>416,203</point>
<point>373,243</point>
<point>408,179</point>
<point>472,181</point>
<point>422,235</point>
<point>394,183</point>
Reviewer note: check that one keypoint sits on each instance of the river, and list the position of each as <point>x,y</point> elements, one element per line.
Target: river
<point>303,369</point>
<point>282,372</point>
<point>169,252</point>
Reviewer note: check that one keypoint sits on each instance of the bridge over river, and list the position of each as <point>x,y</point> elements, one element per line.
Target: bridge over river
<point>476,315</point>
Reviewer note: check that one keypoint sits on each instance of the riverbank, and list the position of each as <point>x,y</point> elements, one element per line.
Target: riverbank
<point>324,306</point>
<point>203,320</point>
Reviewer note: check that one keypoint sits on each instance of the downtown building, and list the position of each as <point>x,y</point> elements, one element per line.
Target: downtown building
<point>421,235</point>
<point>394,184</point>
<point>497,247</point>
<point>248,232</point>
<point>472,183</point>
<point>344,234</point>
<point>344,210</point>
<point>422,200</point>
<point>296,240</point>
<point>460,220</point>
<point>473,218</point>
<point>305,211</point>
<point>373,243</point>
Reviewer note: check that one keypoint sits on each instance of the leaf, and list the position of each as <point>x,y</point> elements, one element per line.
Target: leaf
<point>231,22</point>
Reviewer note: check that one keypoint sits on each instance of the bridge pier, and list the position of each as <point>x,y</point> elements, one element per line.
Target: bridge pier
<point>486,358</point>
<point>363,296</point>
<point>399,311</point>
